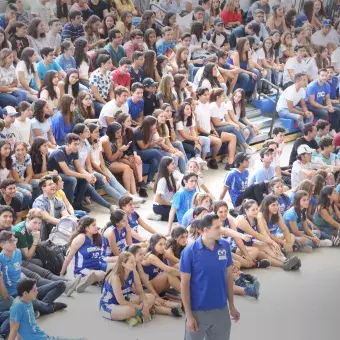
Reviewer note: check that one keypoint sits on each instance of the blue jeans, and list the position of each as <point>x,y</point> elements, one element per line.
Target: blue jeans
<point>5,304</point>
<point>178,145</point>
<point>4,324</point>
<point>179,161</point>
<point>152,157</point>
<point>12,99</point>
<point>97,108</point>
<point>112,187</point>
<point>332,117</point>
<point>26,195</point>
<point>164,211</point>
<point>70,186</point>
<point>91,191</point>
<point>192,72</point>
<point>296,117</point>
<point>238,133</point>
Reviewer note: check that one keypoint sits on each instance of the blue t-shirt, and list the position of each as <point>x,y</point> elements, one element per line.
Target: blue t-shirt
<point>43,69</point>
<point>334,87</point>
<point>208,288</point>
<point>284,203</point>
<point>23,314</point>
<point>187,218</point>
<point>261,175</point>
<point>301,19</point>
<point>237,183</point>
<point>318,91</point>
<point>135,108</point>
<point>164,48</point>
<point>66,64</point>
<point>3,21</point>
<point>182,202</point>
<point>291,215</point>
<point>11,270</point>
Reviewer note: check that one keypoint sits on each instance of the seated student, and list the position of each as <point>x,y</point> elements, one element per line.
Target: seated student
<point>74,28</point>
<point>6,217</point>
<point>166,45</point>
<point>292,104</point>
<point>28,235</point>
<point>258,17</point>
<point>253,28</point>
<point>26,71</point>
<point>248,223</point>
<point>319,101</point>
<point>327,157</point>
<point>126,204</point>
<point>22,316</point>
<point>236,181</point>
<point>53,35</point>
<point>66,59</point>
<point>116,235</point>
<point>322,129</point>
<point>101,87</point>
<point>231,14</point>
<point>8,192</point>
<point>23,121</point>
<point>309,133</point>
<point>118,301</point>
<point>10,131</point>
<point>70,85</point>
<point>136,69</point>
<point>114,46</point>
<point>121,75</point>
<point>136,103</point>
<point>293,66</point>
<point>333,82</point>
<point>11,267</point>
<point>135,43</point>
<point>49,91</point>
<point>41,124</point>
<point>111,109</point>
<point>84,111</point>
<point>151,102</point>
<point>295,219</point>
<point>19,39</point>
<point>85,245</point>
<point>276,188</point>
<point>268,170</point>
<point>175,244</point>
<point>217,37</point>
<point>182,199</point>
<point>327,215</point>
<point>66,161</point>
<point>53,208</point>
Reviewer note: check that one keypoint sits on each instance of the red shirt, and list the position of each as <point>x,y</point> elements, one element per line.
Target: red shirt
<point>121,79</point>
<point>228,17</point>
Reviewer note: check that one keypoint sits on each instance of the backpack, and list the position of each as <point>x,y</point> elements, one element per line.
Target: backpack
<point>51,255</point>
<point>61,233</point>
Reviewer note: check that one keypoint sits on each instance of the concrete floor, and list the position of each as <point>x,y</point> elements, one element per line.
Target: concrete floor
<point>301,305</point>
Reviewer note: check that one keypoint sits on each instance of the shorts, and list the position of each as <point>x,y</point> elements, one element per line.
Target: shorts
<point>106,309</point>
<point>85,271</point>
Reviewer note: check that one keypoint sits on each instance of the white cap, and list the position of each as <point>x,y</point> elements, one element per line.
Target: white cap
<point>304,148</point>
<point>11,111</point>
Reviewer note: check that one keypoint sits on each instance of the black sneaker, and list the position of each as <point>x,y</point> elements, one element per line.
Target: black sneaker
<point>143,185</point>
<point>81,207</point>
<point>228,167</point>
<point>213,164</point>
<point>283,250</point>
<point>263,263</point>
<point>59,306</point>
<point>175,312</point>
<point>297,266</point>
<point>290,263</point>
<point>142,192</point>
<point>249,277</point>
<point>295,248</point>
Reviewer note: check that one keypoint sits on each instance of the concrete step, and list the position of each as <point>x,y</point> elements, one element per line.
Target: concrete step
<point>261,120</point>
<point>264,131</point>
<point>252,112</point>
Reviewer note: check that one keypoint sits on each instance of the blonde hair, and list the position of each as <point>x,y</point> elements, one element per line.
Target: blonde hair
<point>34,213</point>
<point>118,268</point>
<point>198,198</point>
<point>165,87</point>
<point>4,53</point>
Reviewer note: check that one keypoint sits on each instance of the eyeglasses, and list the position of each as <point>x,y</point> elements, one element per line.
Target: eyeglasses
<point>50,184</point>
<point>12,241</point>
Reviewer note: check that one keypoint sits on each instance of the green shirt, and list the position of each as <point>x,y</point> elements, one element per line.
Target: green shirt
<point>25,240</point>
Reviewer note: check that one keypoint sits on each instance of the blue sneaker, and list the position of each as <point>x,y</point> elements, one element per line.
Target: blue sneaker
<point>253,290</point>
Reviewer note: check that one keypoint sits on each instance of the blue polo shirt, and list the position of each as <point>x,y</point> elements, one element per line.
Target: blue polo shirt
<point>135,108</point>
<point>318,91</point>
<point>182,201</point>
<point>334,87</point>
<point>42,69</point>
<point>11,270</point>
<point>208,268</point>
<point>237,183</point>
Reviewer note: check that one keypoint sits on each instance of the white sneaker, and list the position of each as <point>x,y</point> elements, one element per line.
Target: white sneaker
<point>250,150</point>
<point>326,243</point>
<point>138,200</point>
<point>151,185</point>
<point>154,217</point>
<point>225,160</point>
<point>201,162</point>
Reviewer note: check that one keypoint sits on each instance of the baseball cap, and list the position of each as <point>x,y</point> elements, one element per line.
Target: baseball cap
<point>255,27</point>
<point>297,47</point>
<point>265,150</point>
<point>218,21</point>
<point>11,111</point>
<point>149,82</point>
<point>326,22</point>
<point>304,148</point>
<point>240,157</point>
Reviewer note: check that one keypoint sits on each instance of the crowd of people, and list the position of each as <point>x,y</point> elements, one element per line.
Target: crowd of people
<point>110,96</point>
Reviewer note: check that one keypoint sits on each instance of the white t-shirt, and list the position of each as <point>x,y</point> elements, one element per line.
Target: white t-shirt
<point>198,77</point>
<point>293,64</point>
<point>323,40</point>
<point>110,109</point>
<point>336,58</point>
<point>203,116</point>
<point>292,95</point>
<point>180,126</point>
<point>96,149</point>
<point>24,128</point>
<point>21,67</point>
<point>218,112</point>
<point>297,174</point>
<point>237,110</point>
<point>54,41</point>
<point>12,135</point>
<point>45,12</point>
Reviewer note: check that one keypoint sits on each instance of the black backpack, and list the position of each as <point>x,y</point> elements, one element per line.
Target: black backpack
<point>51,255</point>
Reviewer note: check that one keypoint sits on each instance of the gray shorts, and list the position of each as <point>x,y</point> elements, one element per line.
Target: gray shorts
<point>212,325</point>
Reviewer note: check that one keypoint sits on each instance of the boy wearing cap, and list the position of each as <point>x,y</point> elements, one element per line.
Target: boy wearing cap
<point>121,75</point>
<point>324,37</point>
<point>218,38</point>
<point>151,102</point>
<point>268,170</point>
<point>10,131</point>
<point>236,181</point>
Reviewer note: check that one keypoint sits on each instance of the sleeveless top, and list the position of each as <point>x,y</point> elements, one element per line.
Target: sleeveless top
<point>274,229</point>
<point>152,270</point>
<point>87,257</point>
<point>120,241</point>
<point>113,150</point>
<point>108,297</point>
<point>133,223</point>
<point>251,242</point>
<point>324,225</point>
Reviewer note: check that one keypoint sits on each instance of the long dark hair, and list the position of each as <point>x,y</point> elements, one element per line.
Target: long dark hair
<point>308,9</point>
<point>62,9</point>
<point>324,202</point>
<point>268,53</point>
<point>208,74</point>
<point>247,203</point>
<point>121,118</point>
<point>92,127</point>
<point>39,110</point>
<point>319,183</point>
<point>289,18</point>
<point>111,132</point>
<point>75,87</point>
<point>79,54</point>
<point>178,78</point>
<point>48,85</point>
<point>160,59</point>
<point>27,53</point>
<point>65,109</point>
<point>83,223</point>
<point>149,69</point>
<point>197,29</point>
<point>35,153</point>
<point>8,160</point>
<point>154,239</point>
<point>242,102</point>
<point>296,202</point>
<point>172,241</point>
<point>32,28</point>
<point>167,17</point>
<point>114,18</point>
<point>163,172</point>
<point>115,217</point>
<point>145,128</point>
<point>5,42</point>
<point>147,33</point>
<point>264,208</point>
<point>240,49</point>
<point>85,112</point>
<point>179,61</point>
<point>146,21</point>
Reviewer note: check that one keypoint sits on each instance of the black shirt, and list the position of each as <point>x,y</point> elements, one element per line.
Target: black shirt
<point>300,141</point>
<point>15,205</point>
<point>18,44</point>
<point>98,9</point>
<point>150,104</point>
<point>60,155</point>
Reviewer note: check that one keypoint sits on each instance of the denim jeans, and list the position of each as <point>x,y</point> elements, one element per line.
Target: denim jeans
<point>97,108</point>
<point>112,187</point>
<point>179,161</point>
<point>70,186</point>
<point>238,133</point>
<point>163,210</point>
<point>178,145</point>
<point>91,191</point>
<point>294,116</point>
<point>5,304</point>
<point>152,157</point>
<point>26,197</point>
<point>332,117</point>
<point>13,98</point>
<point>4,324</point>
<point>189,147</point>
<point>192,72</point>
